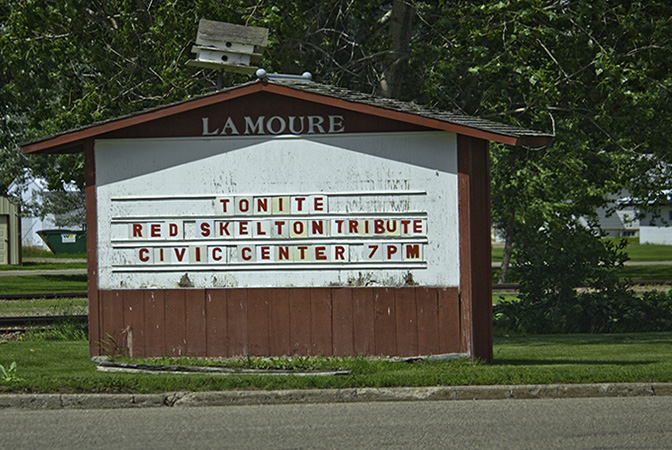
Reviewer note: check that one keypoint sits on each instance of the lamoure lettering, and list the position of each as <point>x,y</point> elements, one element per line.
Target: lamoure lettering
<point>274,125</point>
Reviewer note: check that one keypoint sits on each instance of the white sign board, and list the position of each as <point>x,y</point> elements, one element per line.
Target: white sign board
<point>281,211</point>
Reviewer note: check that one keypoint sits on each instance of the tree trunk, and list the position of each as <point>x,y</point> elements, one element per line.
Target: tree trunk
<point>400,29</point>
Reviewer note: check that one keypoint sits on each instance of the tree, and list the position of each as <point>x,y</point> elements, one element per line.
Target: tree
<point>594,73</point>
<point>67,208</point>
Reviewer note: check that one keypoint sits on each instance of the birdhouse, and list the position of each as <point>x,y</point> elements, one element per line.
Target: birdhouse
<point>229,47</point>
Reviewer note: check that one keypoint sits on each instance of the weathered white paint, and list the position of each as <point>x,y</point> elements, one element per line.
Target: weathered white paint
<point>180,183</point>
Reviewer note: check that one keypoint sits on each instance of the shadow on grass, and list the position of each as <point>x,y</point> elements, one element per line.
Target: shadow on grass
<point>565,362</point>
<point>585,339</point>
<point>65,278</point>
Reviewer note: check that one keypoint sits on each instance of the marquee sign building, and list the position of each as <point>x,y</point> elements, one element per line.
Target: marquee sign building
<point>286,217</point>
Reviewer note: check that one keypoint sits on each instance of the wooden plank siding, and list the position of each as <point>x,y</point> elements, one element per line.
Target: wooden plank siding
<point>406,321</point>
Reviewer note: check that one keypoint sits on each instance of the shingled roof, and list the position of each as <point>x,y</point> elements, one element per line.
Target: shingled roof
<point>418,110</point>
<point>71,141</point>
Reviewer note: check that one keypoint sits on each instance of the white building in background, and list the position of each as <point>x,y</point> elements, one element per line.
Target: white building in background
<point>655,221</point>
<point>620,223</point>
<point>30,192</point>
<point>657,229</point>
<point>656,225</point>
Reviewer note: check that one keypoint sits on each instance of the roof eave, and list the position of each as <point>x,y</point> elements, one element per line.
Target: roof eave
<point>71,141</point>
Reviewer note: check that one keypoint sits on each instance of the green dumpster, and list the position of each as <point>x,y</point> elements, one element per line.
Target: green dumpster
<point>64,241</point>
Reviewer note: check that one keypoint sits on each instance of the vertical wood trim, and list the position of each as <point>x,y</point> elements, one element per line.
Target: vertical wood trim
<point>196,344</point>
<point>155,323</point>
<point>385,321</point>
<point>407,321</point>
<point>475,265</point>
<point>279,322</point>
<point>464,223</point>
<point>258,322</point>
<point>343,321</point>
<point>428,321</point>
<point>299,321</point>
<point>320,321</point>
<point>216,316</point>
<point>134,323</point>
<point>363,321</point>
<point>95,335</point>
<point>236,316</point>
<point>176,325</point>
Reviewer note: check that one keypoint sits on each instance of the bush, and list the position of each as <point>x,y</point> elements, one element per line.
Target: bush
<point>589,312</point>
<point>569,283</point>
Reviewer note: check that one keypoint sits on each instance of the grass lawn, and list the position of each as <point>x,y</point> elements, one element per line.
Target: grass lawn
<point>64,366</point>
<point>635,250</point>
<point>37,307</point>
<point>632,273</point>
<point>37,284</point>
<point>648,252</point>
<point>641,273</point>
<point>55,265</point>
<point>37,252</point>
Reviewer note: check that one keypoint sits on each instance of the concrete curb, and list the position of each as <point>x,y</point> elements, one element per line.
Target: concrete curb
<point>232,398</point>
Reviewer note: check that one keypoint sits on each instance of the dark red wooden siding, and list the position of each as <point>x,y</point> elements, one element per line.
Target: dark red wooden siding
<point>405,321</point>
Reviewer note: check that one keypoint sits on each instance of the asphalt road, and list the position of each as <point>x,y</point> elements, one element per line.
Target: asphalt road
<point>597,423</point>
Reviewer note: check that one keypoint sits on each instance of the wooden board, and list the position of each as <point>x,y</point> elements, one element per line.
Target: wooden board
<point>405,321</point>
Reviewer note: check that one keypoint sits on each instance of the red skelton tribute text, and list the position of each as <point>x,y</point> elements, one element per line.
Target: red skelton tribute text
<point>297,230</point>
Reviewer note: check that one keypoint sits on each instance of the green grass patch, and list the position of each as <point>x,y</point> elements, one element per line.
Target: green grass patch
<point>648,272</point>
<point>632,273</point>
<point>497,254</point>
<point>36,307</point>
<point>645,252</point>
<point>64,366</point>
<point>635,251</point>
<point>37,252</point>
<point>37,284</point>
<point>649,252</point>
<point>35,265</point>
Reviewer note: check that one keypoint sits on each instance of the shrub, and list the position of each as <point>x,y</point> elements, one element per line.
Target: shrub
<point>569,283</point>
<point>589,312</point>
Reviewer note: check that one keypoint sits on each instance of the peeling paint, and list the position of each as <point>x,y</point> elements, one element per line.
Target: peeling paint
<point>185,182</point>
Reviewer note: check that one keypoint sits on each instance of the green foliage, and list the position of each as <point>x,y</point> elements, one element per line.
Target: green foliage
<point>66,207</point>
<point>592,73</point>
<point>560,257</point>
<point>596,74</point>
<point>66,329</point>
<point>570,283</point>
<point>551,265</point>
<point>9,375</point>
<point>589,312</point>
